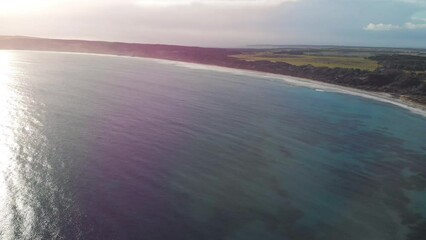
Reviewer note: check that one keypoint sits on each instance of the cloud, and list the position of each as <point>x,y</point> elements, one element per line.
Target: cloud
<point>419,16</point>
<point>225,3</point>
<point>418,24</point>
<point>414,26</point>
<point>417,21</point>
<point>413,1</point>
<point>223,23</point>
<point>419,4</point>
<point>381,27</point>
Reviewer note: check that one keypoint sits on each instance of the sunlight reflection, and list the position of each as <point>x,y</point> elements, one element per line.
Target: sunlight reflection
<point>22,147</point>
<point>12,205</point>
<point>7,95</point>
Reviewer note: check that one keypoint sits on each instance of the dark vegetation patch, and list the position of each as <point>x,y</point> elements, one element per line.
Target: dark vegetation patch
<point>402,62</point>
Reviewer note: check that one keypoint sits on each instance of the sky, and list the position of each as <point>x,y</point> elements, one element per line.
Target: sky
<point>221,23</point>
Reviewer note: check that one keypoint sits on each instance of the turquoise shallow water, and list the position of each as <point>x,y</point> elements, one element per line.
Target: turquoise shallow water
<point>100,147</point>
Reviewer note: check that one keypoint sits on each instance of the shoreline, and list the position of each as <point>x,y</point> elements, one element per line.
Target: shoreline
<point>413,107</point>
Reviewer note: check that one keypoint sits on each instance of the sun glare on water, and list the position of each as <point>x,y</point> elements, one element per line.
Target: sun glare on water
<point>6,137</point>
<point>6,95</point>
<point>10,180</point>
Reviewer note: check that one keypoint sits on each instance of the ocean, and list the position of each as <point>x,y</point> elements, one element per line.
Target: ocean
<point>105,147</point>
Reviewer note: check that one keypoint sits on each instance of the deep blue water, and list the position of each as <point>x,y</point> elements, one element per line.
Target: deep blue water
<point>101,147</point>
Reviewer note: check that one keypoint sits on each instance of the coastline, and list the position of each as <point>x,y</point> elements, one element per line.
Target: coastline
<point>413,107</point>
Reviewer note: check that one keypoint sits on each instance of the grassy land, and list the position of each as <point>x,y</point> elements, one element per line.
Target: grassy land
<point>351,62</point>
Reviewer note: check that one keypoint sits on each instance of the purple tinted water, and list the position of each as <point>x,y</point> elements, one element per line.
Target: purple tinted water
<point>100,147</point>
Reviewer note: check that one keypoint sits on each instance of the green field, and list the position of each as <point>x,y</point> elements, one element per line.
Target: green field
<point>351,62</point>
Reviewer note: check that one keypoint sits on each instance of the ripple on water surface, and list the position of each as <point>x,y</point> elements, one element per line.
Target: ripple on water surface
<point>100,147</point>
